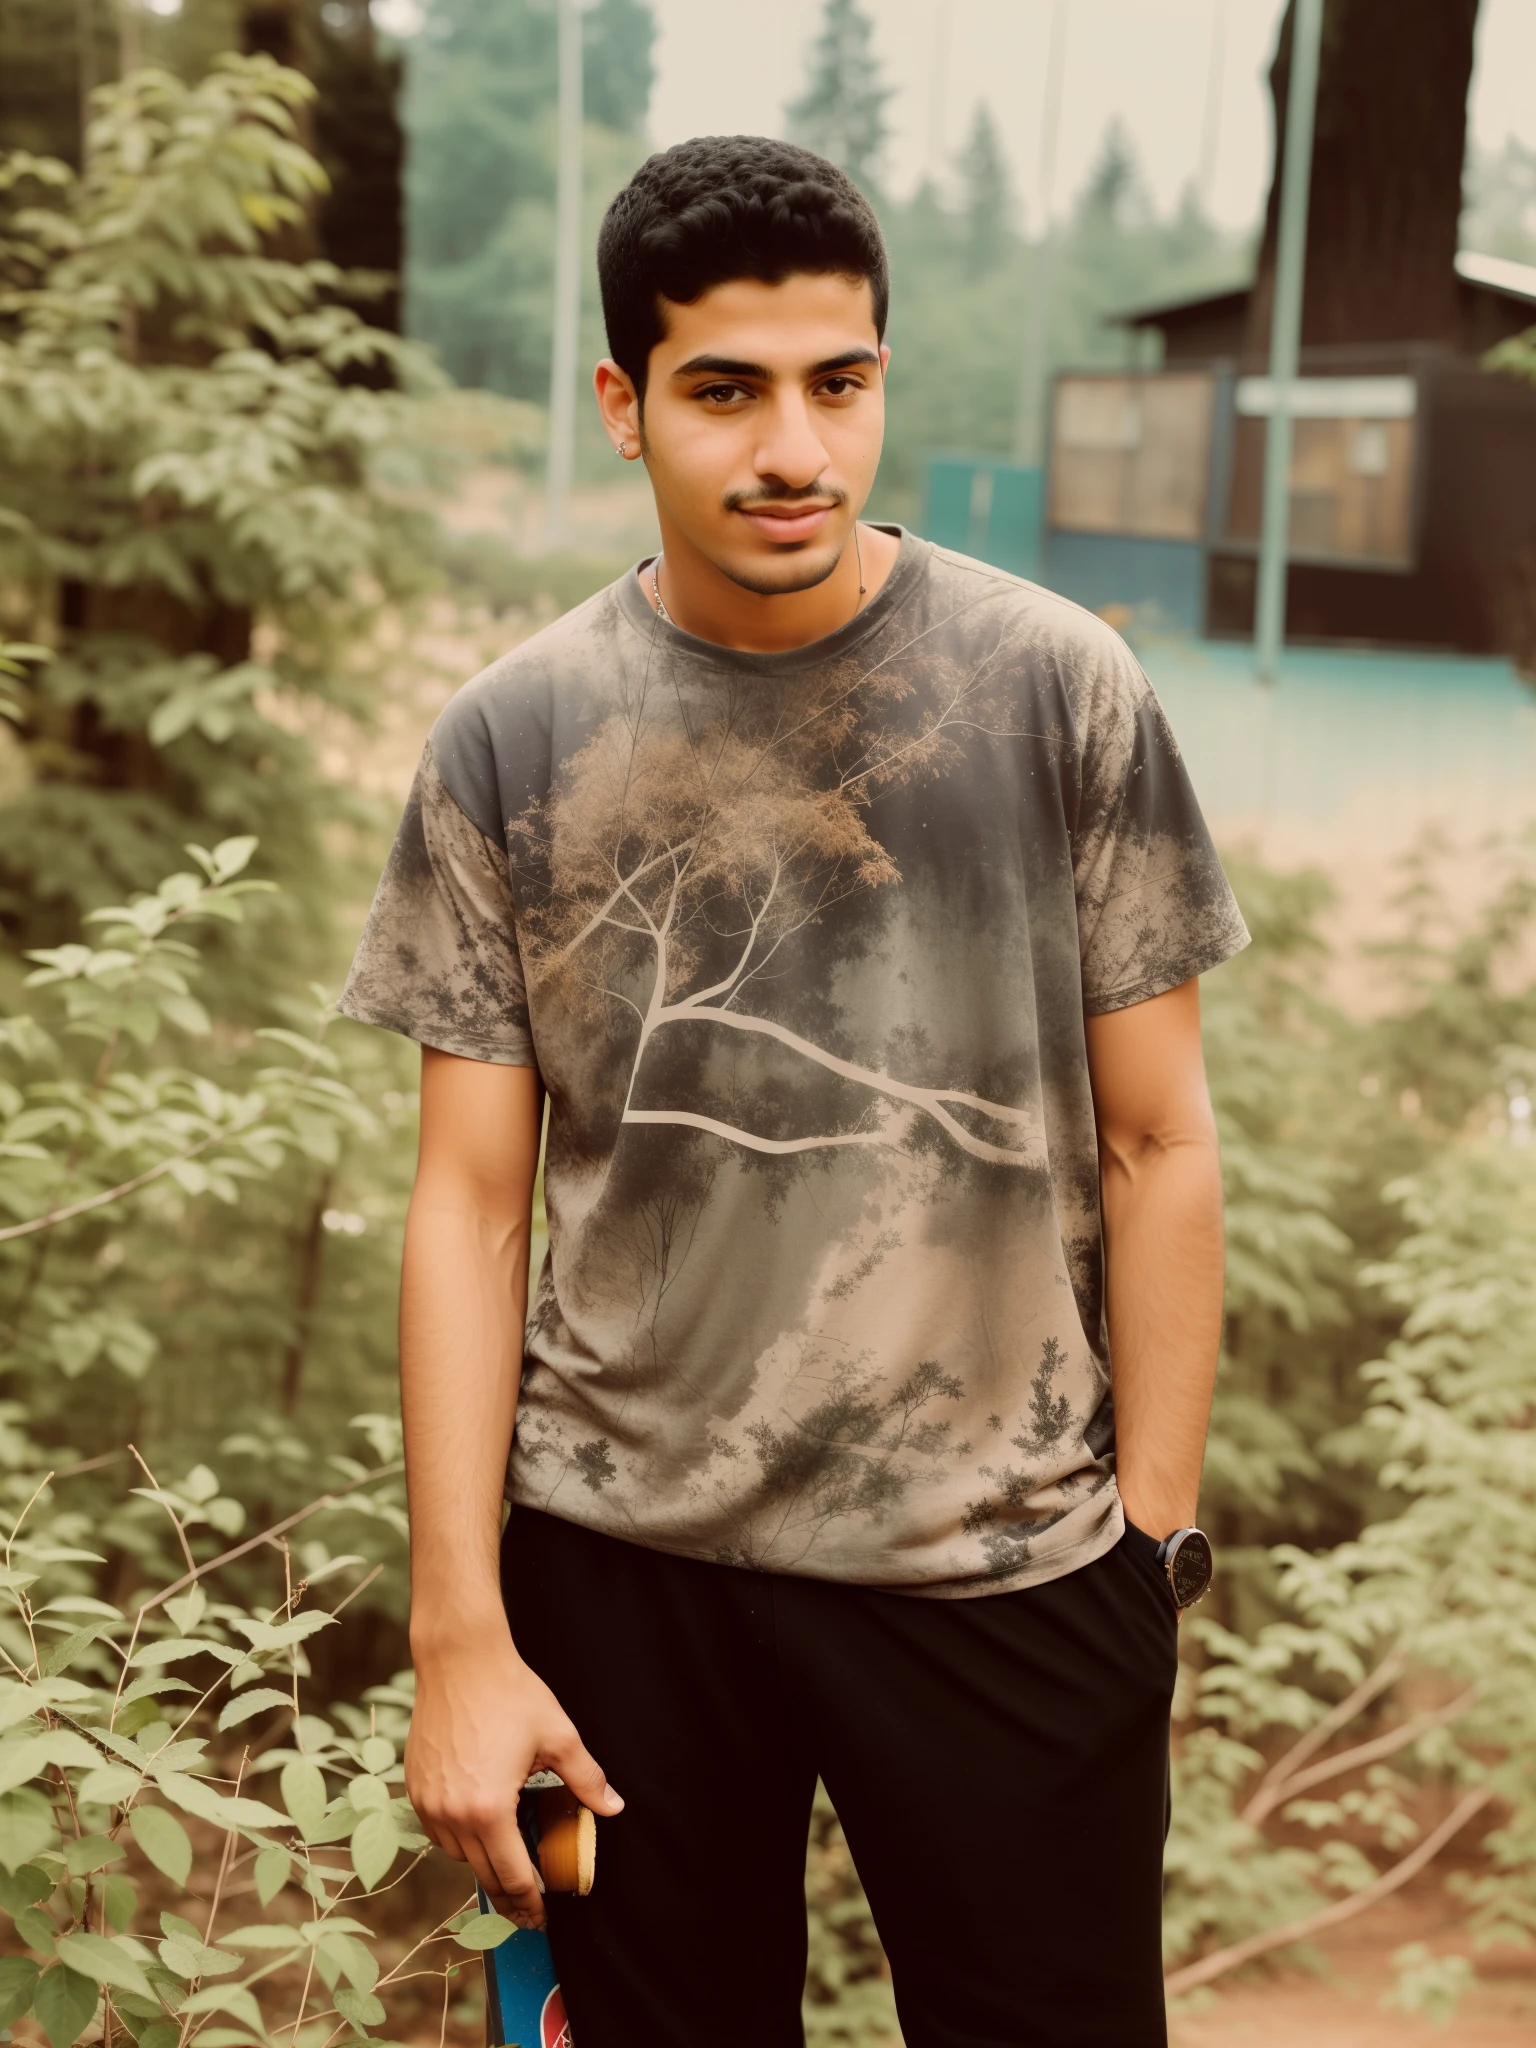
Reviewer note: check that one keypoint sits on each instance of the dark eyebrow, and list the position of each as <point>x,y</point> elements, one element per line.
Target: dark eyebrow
<point>728,366</point>
<point>850,359</point>
<point>722,366</point>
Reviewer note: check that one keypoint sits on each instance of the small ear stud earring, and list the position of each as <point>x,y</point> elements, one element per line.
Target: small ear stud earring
<point>621,449</point>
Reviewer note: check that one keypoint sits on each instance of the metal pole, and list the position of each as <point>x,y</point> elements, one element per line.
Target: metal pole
<point>567,323</point>
<point>1215,79</point>
<point>1029,428</point>
<point>938,93</point>
<point>1285,333</point>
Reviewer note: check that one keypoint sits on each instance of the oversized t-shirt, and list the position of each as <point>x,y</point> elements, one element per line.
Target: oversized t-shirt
<point>801,946</point>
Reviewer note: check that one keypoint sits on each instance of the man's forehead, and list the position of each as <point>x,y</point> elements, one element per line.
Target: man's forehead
<point>805,319</point>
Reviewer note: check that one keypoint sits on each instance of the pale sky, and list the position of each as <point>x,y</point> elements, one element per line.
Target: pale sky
<point>729,66</point>
<point>1185,77</point>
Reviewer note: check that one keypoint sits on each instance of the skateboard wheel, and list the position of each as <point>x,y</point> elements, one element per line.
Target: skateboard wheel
<point>567,1842</point>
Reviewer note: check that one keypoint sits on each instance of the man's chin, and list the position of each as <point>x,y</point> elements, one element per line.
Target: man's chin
<point>783,573</point>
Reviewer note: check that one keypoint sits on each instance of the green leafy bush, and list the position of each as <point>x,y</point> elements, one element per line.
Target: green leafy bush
<point>201,509</point>
<point>205,507</point>
<point>149,1674</point>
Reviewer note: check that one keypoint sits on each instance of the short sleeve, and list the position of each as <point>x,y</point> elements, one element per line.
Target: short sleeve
<point>438,958</point>
<point>1154,908</point>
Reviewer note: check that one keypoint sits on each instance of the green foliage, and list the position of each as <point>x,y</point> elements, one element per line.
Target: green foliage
<point>201,521</point>
<point>151,1716</point>
<point>182,453</point>
<point>1428,1985</point>
<point>848,1995</point>
<point>1378,1683</point>
<point>1280,1077</point>
<point>113,1771</point>
<point>112,1150</point>
<point>201,517</point>
<point>1516,355</point>
<point>480,111</point>
<point>985,202</point>
<point>841,112</point>
<point>1515,577</point>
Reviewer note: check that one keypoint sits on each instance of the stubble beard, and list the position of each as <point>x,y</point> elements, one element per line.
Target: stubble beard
<point>796,575</point>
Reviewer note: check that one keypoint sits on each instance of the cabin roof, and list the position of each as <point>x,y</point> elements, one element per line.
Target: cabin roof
<point>1496,274</point>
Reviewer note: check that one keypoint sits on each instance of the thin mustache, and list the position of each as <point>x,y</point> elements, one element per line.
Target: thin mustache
<point>811,499</point>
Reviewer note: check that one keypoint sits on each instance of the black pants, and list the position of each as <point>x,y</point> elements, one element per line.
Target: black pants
<point>999,1766</point>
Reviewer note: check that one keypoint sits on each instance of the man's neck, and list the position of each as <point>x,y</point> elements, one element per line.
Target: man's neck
<point>702,601</point>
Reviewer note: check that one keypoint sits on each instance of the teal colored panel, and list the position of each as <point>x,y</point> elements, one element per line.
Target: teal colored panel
<point>1165,579</point>
<point>1013,524</point>
<point>1354,753</point>
<point>946,514</point>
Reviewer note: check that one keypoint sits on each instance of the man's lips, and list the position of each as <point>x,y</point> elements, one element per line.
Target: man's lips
<point>793,523</point>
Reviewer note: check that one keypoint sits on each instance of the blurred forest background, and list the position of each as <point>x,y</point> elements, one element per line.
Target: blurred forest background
<point>274,352</point>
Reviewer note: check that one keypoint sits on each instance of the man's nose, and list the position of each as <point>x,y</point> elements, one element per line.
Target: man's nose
<point>791,450</point>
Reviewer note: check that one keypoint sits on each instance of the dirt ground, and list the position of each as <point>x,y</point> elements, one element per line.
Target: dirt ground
<point>1341,2006</point>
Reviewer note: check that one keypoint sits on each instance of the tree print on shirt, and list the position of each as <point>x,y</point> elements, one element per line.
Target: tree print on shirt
<point>692,840</point>
<point>1052,1420</point>
<point>685,850</point>
<point>801,948</point>
<point>859,1450</point>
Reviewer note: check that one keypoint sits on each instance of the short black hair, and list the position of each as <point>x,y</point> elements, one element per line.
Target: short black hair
<point>720,207</point>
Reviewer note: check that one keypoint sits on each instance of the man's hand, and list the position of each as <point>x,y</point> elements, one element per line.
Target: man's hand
<point>483,1723</point>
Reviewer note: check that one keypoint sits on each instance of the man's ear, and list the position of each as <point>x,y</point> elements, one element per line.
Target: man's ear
<point>885,357</point>
<point>619,404</point>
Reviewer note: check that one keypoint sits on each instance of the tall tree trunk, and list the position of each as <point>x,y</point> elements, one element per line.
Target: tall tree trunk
<point>280,29</point>
<point>1386,173</point>
<point>354,128</point>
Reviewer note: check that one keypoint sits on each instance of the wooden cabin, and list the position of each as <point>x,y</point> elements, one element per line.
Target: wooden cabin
<point>1413,479</point>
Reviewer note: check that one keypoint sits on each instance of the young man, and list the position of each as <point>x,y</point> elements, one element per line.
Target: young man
<point>844,900</point>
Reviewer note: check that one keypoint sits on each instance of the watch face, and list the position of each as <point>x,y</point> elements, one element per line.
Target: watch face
<point>1191,1567</point>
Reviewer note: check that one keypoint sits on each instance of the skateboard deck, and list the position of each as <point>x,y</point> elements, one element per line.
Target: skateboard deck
<point>523,2006</point>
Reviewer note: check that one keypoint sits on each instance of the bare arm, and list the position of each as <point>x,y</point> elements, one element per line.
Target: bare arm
<point>483,1720</point>
<point>1160,1192</point>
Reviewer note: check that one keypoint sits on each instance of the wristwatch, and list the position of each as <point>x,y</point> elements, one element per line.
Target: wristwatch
<point>1189,1563</point>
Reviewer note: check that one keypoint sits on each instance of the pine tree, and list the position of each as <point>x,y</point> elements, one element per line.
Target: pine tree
<point>1113,196</point>
<point>841,113</point>
<point>480,108</point>
<point>986,201</point>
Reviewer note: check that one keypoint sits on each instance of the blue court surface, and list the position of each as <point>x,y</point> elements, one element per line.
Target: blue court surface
<point>1350,744</point>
